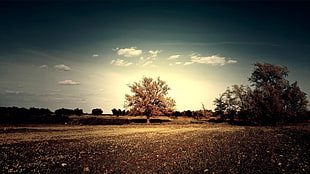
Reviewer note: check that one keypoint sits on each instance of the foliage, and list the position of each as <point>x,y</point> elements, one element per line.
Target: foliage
<point>97,111</point>
<point>64,112</point>
<point>78,111</point>
<point>272,100</point>
<point>149,98</point>
<point>119,112</point>
<point>15,115</point>
<point>99,121</point>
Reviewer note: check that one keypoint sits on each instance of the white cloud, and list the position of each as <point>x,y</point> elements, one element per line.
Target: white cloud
<point>178,63</point>
<point>232,61</point>
<point>62,67</point>
<point>154,53</point>
<point>13,92</point>
<point>119,62</point>
<point>95,55</point>
<point>211,60</point>
<point>43,66</point>
<point>68,82</point>
<point>147,63</point>
<point>174,57</point>
<point>128,52</point>
<point>188,63</point>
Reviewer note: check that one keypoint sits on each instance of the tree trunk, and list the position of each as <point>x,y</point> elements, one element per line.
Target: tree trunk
<point>148,118</point>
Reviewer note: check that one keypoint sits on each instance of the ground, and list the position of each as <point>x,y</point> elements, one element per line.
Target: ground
<point>155,148</point>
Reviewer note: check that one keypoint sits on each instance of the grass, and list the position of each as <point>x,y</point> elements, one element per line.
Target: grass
<point>159,148</point>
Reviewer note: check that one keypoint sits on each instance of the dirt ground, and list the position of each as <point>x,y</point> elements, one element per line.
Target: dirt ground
<point>159,148</point>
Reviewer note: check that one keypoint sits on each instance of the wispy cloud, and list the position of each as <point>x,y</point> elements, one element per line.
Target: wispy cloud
<point>188,63</point>
<point>154,53</point>
<point>232,61</point>
<point>147,63</point>
<point>13,92</point>
<point>43,66</point>
<point>211,60</point>
<point>174,57</point>
<point>95,55</point>
<point>62,67</point>
<point>128,52</point>
<point>120,62</point>
<point>68,82</point>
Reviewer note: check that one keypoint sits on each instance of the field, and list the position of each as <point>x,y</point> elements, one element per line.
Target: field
<point>155,148</point>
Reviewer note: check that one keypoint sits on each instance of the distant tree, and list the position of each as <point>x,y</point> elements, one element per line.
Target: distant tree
<point>176,113</point>
<point>64,112</point>
<point>119,112</point>
<point>149,98</point>
<point>116,112</point>
<point>78,111</point>
<point>188,113</point>
<point>97,111</point>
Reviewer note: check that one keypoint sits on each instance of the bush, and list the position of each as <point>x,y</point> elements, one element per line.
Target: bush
<point>100,121</point>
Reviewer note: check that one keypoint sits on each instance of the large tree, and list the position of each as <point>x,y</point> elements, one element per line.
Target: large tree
<point>149,98</point>
<point>272,98</point>
<point>275,99</point>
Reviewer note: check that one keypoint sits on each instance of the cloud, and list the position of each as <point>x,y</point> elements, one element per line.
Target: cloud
<point>211,60</point>
<point>95,55</point>
<point>68,82</point>
<point>147,63</point>
<point>119,62</point>
<point>13,92</point>
<point>173,57</point>
<point>43,66</point>
<point>154,53</point>
<point>62,67</point>
<point>232,61</point>
<point>128,52</point>
<point>188,63</point>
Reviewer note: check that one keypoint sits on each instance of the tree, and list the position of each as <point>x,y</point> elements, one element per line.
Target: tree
<point>64,112</point>
<point>97,111</point>
<point>116,112</point>
<point>78,111</point>
<point>149,98</point>
<point>273,99</point>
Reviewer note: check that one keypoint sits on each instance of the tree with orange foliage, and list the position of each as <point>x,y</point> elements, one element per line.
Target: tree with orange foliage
<point>149,98</point>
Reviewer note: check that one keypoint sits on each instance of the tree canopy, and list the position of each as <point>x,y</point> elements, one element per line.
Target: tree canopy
<point>272,99</point>
<point>149,98</point>
<point>97,111</point>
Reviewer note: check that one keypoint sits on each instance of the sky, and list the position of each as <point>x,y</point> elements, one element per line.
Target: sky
<point>81,54</point>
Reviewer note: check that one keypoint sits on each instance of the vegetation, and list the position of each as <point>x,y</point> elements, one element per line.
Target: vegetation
<point>91,120</point>
<point>271,100</point>
<point>67,112</point>
<point>149,98</point>
<point>14,115</point>
<point>119,112</point>
<point>97,111</point>
<point>189,148</point>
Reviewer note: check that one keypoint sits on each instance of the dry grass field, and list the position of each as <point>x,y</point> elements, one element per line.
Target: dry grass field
<point>155,148</point>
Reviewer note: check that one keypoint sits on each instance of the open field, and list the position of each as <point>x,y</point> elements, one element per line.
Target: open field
<point>168,148</point>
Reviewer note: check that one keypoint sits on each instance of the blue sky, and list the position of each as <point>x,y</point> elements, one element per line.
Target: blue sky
<point>79,54</point>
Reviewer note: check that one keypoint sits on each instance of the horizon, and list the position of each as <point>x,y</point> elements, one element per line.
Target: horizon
<point>83,55</point>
